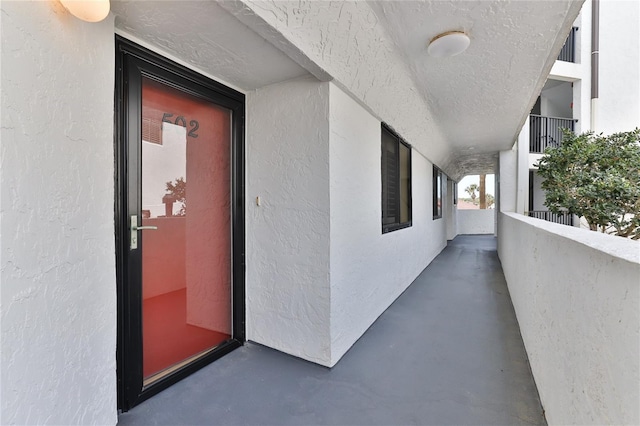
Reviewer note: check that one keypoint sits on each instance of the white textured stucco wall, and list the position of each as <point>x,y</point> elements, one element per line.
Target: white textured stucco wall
<point>318,267</point>
<point>582,87</point>
<point>472,222</point>
<point>287,276</point>
<point>618,104</point>
<point>579,73</point>
<point>369,270</point>
<point>58,293</point>
<point>576,296</point>
<point>522,149</point>
<point>349,43</point>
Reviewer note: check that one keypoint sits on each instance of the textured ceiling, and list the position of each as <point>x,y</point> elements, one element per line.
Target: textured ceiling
<point>458,112</point>
<point>482,95</point>
<point>208,37</point>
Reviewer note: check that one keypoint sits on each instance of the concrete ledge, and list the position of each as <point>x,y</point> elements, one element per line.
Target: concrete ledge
<point>576,297</point>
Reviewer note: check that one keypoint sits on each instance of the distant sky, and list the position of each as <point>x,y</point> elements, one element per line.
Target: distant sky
<point>490,182</point>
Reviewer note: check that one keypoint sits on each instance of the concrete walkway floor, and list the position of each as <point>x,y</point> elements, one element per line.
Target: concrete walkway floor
<point>448,351</point>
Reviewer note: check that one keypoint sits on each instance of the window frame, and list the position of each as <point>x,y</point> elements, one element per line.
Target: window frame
<point>396,225</point>
<point>437,192</point>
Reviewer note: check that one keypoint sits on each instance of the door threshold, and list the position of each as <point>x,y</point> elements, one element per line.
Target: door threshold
<point>164,373</point>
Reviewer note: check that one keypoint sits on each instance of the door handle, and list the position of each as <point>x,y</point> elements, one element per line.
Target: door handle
<point>133,242</point>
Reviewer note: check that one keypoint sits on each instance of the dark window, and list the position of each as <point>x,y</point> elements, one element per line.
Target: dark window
<point>396,182</point>
<point>437,193</point>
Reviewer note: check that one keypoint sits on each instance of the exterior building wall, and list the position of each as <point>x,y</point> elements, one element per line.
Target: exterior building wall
<point>574,72</point>
<point>617,108</point>
<point>288,245</point>
<point>287,252</point>
<point>370,68</point>
<point>581,105</point>
<point>58,293</point>
<point>576,296</point>
<point>369,270</point>
<point>522,169</point>
<point>319,269</point>
<point>579,73</point>
<point>314,243</point>
<point>582,85</point>
<point>578,311</point>
<point>508,184</point>
<point>472,222</point>
<point>619,98</point>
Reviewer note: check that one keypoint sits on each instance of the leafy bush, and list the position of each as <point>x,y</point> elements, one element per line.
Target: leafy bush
<point>597,177</point>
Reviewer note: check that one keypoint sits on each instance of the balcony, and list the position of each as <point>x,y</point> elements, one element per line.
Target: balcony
<point>561,218</point>
<point>546,132</point>
<point>568,52</point>
<point>447,351</point>
<point>576,297</point>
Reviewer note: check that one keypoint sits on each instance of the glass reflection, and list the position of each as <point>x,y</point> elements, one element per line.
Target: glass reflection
<point>186,262</point>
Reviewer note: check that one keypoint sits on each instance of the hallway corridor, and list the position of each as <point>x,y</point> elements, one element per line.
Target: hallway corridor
<point>447,351</point>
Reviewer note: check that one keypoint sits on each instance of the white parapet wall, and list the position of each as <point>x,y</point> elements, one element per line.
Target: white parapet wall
<point>476,221</point>
<point>576,296</point>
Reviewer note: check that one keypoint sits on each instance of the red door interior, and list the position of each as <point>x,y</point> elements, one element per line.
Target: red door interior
<point>186,261</point>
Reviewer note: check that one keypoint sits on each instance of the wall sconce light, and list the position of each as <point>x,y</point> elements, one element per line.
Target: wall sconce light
<point>450,43</point>
<point>88,10</point>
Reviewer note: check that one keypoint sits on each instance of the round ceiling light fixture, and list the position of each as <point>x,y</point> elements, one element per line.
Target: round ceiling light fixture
<point>450,43</point>
<point>88,10</point>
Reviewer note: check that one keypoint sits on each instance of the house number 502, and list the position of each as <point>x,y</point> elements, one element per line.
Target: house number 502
<point>181,121</point>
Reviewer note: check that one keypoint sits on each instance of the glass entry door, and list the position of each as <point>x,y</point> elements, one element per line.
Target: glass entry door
<point>181,229</point>
<point>185,233</point>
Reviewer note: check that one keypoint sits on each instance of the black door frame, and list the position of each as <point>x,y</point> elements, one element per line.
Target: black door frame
<point>132,63</point>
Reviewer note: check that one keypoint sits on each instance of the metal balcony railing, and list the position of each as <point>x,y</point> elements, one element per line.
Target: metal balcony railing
<point>563,218</point>
<point>568,52</point>
<point>546,132</point>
